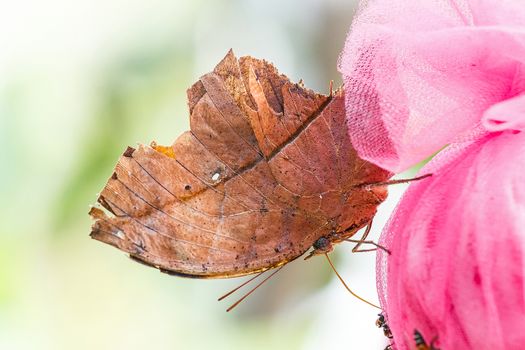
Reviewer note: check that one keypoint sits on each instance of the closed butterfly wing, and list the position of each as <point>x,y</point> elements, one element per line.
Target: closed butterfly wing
<point>265,170</point>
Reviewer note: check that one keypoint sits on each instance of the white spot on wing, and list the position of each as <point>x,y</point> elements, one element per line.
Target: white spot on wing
<point>119,234</point>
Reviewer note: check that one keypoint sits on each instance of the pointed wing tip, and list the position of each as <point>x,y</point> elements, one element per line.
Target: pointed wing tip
<point>129,152</point>
<point>230,53</point>
<point>228,60</point>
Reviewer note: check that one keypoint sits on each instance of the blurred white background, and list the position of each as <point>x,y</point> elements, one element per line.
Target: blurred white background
<point>79,81</point>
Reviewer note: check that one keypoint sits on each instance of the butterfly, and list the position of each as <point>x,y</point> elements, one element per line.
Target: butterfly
<point>266,172</point>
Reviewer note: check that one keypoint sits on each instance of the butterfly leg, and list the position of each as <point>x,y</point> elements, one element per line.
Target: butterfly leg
<point>363,240</point>
<point>392,182</point>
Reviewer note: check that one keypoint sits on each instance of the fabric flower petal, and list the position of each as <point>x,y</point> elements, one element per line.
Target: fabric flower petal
<point>457,239</point>
<point>419,75</point>
<point>506,115</point>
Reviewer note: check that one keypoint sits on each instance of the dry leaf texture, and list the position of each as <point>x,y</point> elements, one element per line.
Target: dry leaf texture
<point>266,169</point>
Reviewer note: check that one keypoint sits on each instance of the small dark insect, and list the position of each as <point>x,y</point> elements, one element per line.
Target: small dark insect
<point>380,320</point>
<point>421,343</point>
<point>381,323</point>
<point>387,331</point>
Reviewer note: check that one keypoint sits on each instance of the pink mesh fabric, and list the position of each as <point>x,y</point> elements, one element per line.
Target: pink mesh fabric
<point>457,266</point>
<point>506,115</point>
<point>429,69</point>
<point>421,76</point>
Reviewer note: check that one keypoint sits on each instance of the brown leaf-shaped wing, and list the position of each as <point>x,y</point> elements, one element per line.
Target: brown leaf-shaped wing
<point>266,169</point>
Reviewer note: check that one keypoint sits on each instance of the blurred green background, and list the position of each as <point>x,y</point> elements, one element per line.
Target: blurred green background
<point>81,80</point>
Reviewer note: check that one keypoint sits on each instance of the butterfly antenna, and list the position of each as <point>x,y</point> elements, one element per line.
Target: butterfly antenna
<point>253,289</point>
<point>344,284</point>
<point>242,285</point>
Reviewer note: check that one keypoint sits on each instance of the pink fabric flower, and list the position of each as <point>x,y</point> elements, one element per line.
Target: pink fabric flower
<point>425,76</point>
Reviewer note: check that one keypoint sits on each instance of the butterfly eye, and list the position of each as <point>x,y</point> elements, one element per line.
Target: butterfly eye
<point>321,243</point>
